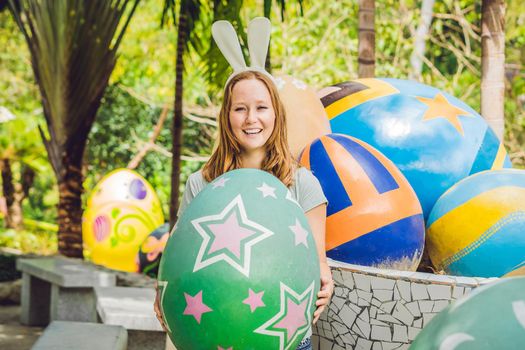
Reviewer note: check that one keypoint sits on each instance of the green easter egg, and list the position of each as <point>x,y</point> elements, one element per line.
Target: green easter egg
<point>240,270</point>
<point>491,317</point>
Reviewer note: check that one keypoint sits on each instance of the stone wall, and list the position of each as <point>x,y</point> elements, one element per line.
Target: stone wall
<point>384,309</point>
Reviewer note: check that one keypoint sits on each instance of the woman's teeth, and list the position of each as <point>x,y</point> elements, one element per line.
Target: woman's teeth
<point>252,131</point>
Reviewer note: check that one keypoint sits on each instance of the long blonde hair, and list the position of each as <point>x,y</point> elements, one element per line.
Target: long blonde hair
<point>278,161</point>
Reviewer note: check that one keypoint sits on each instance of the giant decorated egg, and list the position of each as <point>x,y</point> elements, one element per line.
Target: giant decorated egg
<point>120,213</point>
<point>491,317</point>
<point>477,228</point>
<point>373,216</point>
<point>305,115</point>
<point>240,270</point>
<point>432,137</point>
<point>151,250</point>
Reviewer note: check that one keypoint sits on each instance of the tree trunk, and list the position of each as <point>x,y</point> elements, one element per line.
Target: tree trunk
<point>8,191</point>
<point>367,39</point>
<point>493,64</point>
<point>14,194</point>
<point>70,208</point>
<point>420,39</point>
<point>15,210</point>
<point>177,115</point>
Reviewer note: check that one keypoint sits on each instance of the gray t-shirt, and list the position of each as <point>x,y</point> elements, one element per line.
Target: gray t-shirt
<point>306,190</point>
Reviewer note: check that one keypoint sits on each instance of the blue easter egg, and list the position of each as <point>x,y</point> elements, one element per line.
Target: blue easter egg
<point>432,137</point>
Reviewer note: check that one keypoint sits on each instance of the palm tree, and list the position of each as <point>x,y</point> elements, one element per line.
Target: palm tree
<point>493,63</point>
<point>73,46</point>
<point>185,18</point>
<point>367,39</point>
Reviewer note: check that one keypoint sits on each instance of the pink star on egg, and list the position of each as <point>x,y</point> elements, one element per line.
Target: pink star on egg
<point>300,233</point>
<point>294,319</point>
<point>228,235</point>
<point>195,307</point>
<point>221,348</point>
<point>254,300</point>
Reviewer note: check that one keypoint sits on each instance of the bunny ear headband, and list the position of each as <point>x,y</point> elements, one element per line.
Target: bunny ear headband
<point>258,40</point>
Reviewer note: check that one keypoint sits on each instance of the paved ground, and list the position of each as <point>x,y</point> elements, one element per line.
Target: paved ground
<point>14,336</point>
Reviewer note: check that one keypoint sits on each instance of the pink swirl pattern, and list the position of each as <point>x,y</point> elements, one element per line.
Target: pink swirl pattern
<point>101,227</point>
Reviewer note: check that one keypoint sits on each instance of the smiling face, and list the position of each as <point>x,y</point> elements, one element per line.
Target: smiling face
<point>251,115</point>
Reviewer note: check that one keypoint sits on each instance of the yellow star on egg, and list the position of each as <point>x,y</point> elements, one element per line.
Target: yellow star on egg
<point>440,107</point>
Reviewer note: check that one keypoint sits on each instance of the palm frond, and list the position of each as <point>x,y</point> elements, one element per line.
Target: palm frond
<point>216,67</point>
<point>168,10</point>
<point>73,46</point>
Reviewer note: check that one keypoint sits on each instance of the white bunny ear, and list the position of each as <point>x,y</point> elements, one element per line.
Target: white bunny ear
<point>258,40</point>
<point>228,43</point>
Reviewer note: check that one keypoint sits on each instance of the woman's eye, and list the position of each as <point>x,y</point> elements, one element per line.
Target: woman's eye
<point>262,107</point>
<point>239,109</point>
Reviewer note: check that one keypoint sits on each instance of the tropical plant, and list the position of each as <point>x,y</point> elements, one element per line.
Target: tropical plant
<point>73,47</point>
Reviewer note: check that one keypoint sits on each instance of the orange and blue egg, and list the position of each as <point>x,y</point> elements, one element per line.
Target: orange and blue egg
<point>373,216</point>
<point>477,228</point>
<point>432,137</point>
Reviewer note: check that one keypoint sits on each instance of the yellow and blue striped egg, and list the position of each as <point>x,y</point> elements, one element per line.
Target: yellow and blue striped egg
<point>477,228</point>
<point>432,137</point>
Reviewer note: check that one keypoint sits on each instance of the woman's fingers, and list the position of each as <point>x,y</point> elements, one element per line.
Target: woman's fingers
<point>161,320</point>
<point>317,314</point>
<point>322,302</point>
<point>158,312</point>
<point>324,294</point>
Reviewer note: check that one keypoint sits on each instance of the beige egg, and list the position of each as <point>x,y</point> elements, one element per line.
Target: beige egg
<point>305,115</point>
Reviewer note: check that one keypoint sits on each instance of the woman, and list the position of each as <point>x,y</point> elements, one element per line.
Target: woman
<point>252,129</point>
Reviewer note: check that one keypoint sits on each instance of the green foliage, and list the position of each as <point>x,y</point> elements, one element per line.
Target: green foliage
<point>319,47</point>
<point>35,241</point>
<point>18,92</point>
<point>73,51</point>
<point>123,125</point>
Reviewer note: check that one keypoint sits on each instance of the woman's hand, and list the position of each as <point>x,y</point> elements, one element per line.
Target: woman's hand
<point>156,307</point>
<point>324,295</point>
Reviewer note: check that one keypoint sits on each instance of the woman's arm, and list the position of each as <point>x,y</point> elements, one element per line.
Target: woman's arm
<point>317,220</point>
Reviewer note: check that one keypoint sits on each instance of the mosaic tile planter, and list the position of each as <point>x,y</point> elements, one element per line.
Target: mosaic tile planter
<point>382,309</point>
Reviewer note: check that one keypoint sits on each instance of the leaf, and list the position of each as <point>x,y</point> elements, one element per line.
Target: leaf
<point>115,213</point>
<point>73,47</point>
